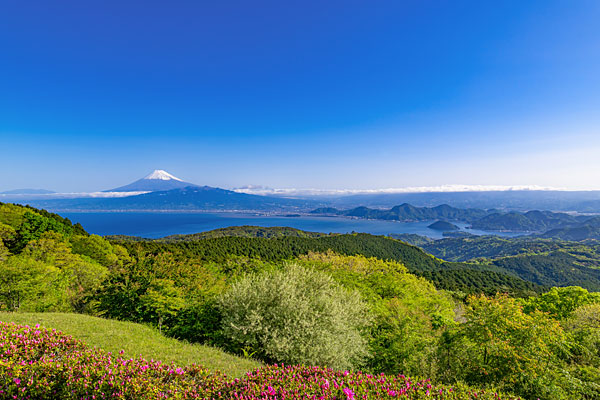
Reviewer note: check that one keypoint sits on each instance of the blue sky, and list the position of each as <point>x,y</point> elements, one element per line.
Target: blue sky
<point>307,94</point>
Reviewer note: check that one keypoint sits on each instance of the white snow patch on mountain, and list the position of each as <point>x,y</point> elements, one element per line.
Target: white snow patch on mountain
<point>162,175</point>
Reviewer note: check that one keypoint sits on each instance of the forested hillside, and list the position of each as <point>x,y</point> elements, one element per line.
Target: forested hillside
<point>47,263</point>
<point>465,278</point>
<point>492,247</point>
<point>244,231</point>
<point>408,212</point>
<point>542,261</point>
<point>352,302</point>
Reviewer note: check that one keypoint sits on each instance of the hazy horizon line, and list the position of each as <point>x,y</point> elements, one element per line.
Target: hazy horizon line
<point>450,188</point>
<point>268,191</point>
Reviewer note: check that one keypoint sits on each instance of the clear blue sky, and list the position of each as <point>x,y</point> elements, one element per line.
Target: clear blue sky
<point>308,94</point>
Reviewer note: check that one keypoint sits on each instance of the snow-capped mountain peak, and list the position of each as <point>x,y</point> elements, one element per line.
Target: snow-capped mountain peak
<point>158,180</point>
<point>162,175</point>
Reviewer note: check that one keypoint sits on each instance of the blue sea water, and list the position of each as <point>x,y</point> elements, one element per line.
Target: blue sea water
<point>158,224</point>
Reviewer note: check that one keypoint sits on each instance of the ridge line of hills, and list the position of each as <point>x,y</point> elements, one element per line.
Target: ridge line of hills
<point>543,262</point>
<point>542,223</point>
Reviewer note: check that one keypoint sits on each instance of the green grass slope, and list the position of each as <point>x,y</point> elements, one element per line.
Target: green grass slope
<point>134,339</point>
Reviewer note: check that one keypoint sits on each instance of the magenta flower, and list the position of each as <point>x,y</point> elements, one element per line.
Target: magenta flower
<point>349,393</point>
<point>90,373</point>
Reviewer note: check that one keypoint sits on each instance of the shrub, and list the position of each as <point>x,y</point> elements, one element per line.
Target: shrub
<point>409,313</point>
<point>501,346</point>
<point>295,315</point>
<point>561,302</point>
<point>583,328</point>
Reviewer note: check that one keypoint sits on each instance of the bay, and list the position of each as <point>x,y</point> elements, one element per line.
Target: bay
<point>154,225</point>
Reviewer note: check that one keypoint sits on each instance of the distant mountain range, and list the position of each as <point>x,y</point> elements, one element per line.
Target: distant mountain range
<point>588,229</point>
<point>407,212</point>
<point>161,191</point>
<point>520,200</point>
<point>28,191</point>
<point>527,222</point>
<point>507,200</point>
<point>544,223</point>
<point>165,192</point>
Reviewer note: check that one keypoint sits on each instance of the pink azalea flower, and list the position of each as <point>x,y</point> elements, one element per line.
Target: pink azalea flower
<point>349,393</point>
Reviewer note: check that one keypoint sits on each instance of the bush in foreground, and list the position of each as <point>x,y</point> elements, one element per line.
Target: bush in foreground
<point>297,316</point>
<point>36,363</point>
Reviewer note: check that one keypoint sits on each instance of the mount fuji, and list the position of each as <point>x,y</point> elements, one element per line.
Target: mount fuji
<point>161,191</point>
<point>158,180</point>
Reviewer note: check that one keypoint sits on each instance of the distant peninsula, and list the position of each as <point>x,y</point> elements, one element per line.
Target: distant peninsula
<point>28,191</point>
<point>444,226</point>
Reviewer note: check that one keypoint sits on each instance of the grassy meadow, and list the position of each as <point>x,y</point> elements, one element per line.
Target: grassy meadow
<point>135,340</point>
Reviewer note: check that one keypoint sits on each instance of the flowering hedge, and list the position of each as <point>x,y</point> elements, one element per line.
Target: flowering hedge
<point>293,382</point>
<point>37,363</point>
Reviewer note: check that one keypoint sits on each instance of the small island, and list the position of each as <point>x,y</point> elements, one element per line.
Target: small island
<point>443,226</point>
